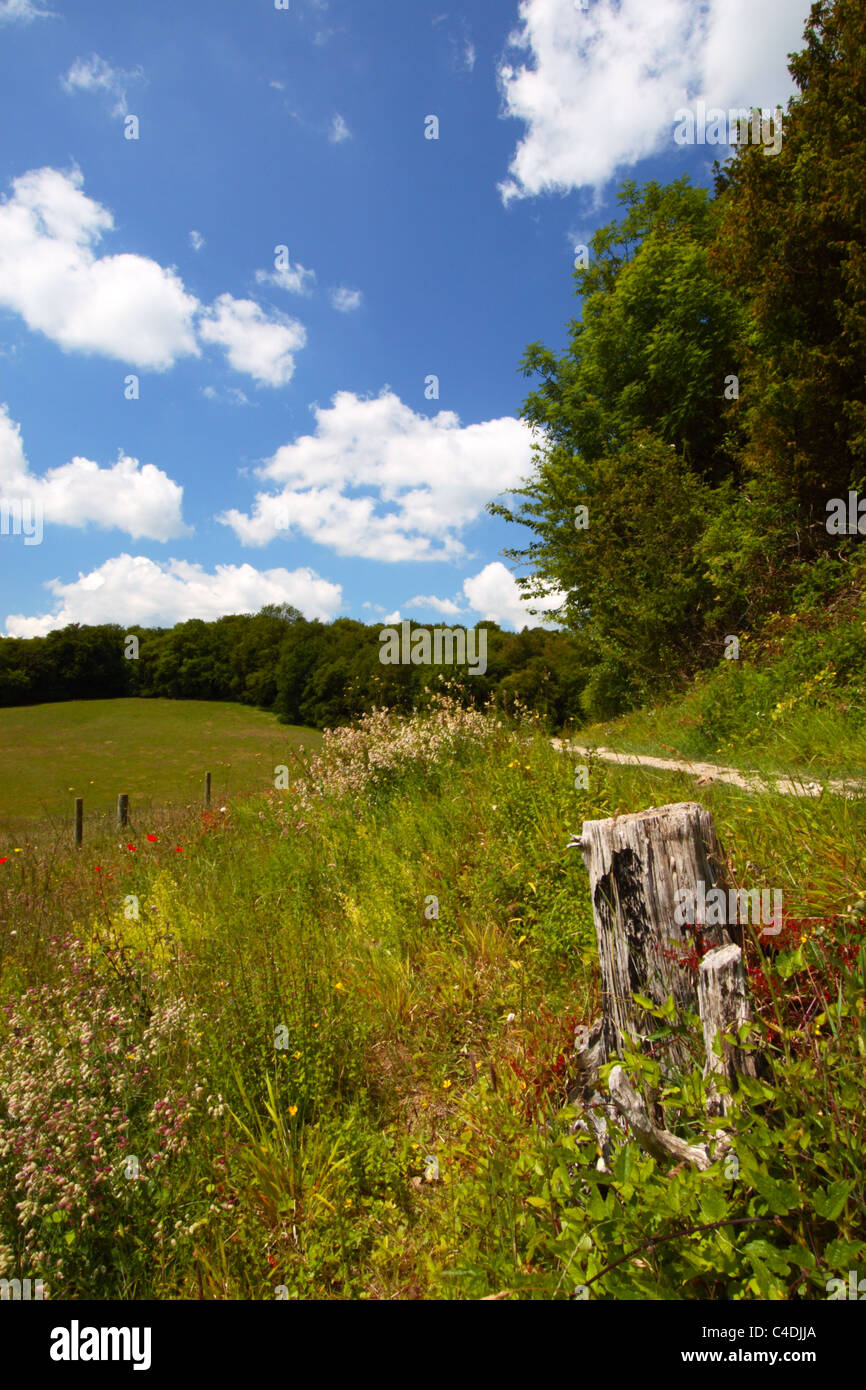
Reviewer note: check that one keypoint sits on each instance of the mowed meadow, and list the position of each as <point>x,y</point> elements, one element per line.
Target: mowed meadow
<point>156,751</point>
<point>320,1044</point>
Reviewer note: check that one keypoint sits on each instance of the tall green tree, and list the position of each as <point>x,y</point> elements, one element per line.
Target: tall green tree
<point>792,239</point>
<point>632,424</point>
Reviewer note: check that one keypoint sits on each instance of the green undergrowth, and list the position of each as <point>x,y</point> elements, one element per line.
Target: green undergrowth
<point>792,701</point>
<point>321,1045</point>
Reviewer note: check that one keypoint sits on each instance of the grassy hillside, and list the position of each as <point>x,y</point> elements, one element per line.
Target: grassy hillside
<point>156,750</point>
<point>793,701</point>
<point>331,1053</point>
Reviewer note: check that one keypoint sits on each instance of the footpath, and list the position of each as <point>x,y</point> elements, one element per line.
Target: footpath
<point>713,772</point>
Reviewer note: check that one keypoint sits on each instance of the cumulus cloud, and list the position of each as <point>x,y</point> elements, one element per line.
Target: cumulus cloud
<point>22,12</point>
<point>597,87</point>
<point>262,345</point>
<point>346,300</point>
<point>94,74</point>
<point>494,593</point>
<point>122,306</point>
<point>438,605</point>
<point>133,589</point>
<point>293,278</point>
<point>339,130</point>
<point>133,497</point>
<point>379,481</point>
<point>196,240</point>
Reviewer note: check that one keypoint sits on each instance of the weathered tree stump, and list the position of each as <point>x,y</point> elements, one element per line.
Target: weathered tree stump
<point>636,865</point>
<point>723,1001</point>
<point>641,870</point>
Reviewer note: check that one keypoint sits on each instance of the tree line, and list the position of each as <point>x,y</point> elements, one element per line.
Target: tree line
<point>308,672</point>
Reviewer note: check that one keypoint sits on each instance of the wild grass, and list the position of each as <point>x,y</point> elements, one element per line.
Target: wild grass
<point>791,699</point>
<point>343,1017</point>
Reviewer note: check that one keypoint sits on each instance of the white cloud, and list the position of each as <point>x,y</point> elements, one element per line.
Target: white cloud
<point>122,306</point>
<point>494,593</point>
<point>230,395</point>
<point>137,498</point>
<point>277,86</point>
<point>346,300</point>
<point>94,74</point>
<point>439,605</point>
<point>378,480</point>
<point>293,278</point>
<point>339,130</point>
<point>597,88</point>
<point>254,342</point>
<point>133,589</point>
<point>391,618</point>
<point>22,12</point>
<point>196,240</point>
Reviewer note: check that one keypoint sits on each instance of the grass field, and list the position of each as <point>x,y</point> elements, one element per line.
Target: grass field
<point>155,750</point>
<point>321,1046</point>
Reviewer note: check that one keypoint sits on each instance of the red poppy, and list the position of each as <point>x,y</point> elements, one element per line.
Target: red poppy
<point>98,869</point>
<point>152,838</point>
<point>179,849</point>
<point>130,847</point>
<point>3,860</point>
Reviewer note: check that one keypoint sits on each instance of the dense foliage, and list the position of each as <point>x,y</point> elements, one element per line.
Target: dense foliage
<point>310,673</point>
<point>712,399</point>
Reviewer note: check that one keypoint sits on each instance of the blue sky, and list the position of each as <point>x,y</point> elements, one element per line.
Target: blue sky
<point>285,443</point>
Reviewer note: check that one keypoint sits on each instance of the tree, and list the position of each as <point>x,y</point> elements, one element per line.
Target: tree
<point>632,432</point>
<point>793,240</point>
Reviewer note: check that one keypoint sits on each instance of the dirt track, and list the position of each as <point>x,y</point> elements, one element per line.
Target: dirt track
<point>712,772</point>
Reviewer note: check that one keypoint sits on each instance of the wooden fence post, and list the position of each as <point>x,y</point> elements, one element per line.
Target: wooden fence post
<point>123,809</point>
<point>79,820</point>
<point>207,791</point>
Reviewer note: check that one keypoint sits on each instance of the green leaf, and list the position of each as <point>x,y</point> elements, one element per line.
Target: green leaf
<point>713,1204</point>
<point>829,1203</point>
<point>769,1255</point>
<point>781,1197</point>
<point>841,1254</point>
